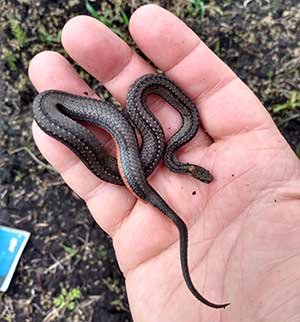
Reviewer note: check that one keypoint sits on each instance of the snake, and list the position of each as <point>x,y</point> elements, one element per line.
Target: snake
<point>60,115</point>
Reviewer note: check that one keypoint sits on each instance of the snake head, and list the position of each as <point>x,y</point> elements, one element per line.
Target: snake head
<point>200,174</point>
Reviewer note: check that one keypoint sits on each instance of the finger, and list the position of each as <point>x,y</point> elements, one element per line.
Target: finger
<point>226,105</point>
<point>110,60</point>
<point>59,74</point>
<point>103,54</point>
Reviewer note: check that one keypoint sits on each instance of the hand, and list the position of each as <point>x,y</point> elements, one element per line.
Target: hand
<point>244,236</point>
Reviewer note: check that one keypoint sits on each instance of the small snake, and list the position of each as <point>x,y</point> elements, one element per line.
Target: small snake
<point>57,113</point>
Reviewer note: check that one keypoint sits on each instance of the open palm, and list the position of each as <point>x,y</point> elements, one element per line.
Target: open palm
<point>244,227</point>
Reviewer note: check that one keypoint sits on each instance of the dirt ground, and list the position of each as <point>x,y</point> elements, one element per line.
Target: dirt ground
<point>68,271</point>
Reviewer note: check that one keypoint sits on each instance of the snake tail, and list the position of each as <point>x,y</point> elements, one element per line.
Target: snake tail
<point>157,201</point>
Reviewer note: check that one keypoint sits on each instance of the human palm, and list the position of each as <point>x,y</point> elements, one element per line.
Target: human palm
<point>243,227</point>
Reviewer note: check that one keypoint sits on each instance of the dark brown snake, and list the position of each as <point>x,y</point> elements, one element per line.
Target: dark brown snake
<point>57,113</point>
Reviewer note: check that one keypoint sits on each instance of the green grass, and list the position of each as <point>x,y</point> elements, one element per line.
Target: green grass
<point>292,103</point>
<point>47,38</point>
<point>109,18</point>
<point>10,59</point>
<point>18,33</point>
<point>217,47</point>
<point>102,253</point>
<point>67,299</point>
<point>197,8</point>
<point>8,318</point>
<point>70,250</point>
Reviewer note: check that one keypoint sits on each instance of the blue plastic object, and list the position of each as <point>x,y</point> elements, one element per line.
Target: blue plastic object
<point>12,244</point>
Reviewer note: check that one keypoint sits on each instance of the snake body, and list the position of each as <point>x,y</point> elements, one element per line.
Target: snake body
<point>57,113</point>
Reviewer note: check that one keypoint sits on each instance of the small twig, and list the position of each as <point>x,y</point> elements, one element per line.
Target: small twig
<point>90,300</point>
<point>55,260</point>
<point>53,314</point>
<point>292,117</point>
<point>38,308</point>
<point>86,245</point>
<point>246,2</point>
<point>58,263</point>
<point>31,154</point>
<point>55,183</point>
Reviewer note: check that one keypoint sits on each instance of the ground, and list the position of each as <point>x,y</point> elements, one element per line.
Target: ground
<point>68,271</point>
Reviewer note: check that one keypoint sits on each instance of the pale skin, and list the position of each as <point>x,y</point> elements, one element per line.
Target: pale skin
<point>244,227</point>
